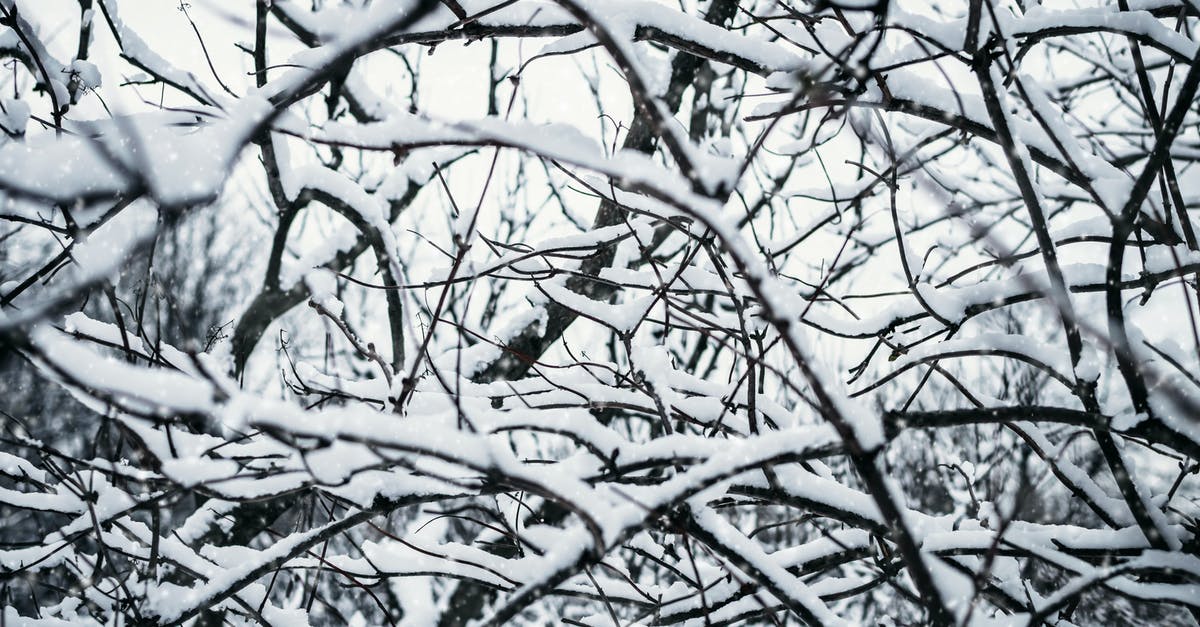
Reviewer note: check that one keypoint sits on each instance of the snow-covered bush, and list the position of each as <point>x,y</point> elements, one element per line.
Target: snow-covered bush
<point>599,312</point>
